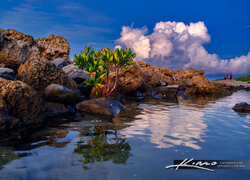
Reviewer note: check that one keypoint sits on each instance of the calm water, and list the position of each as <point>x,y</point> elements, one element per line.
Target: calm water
<point>138,144</point>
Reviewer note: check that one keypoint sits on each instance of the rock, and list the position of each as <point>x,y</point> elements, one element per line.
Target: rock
<point>54,47</point>
<point>191,90</point>
<point>13,53</point>
<point>29,40</point>
<point>242,107</point>
<point>102,106</point>
<point>203,85</point>
<point>56,109</point>
<point>129,80</point>
<point>85,90</point>
<point>60,62</point>
<point>39,73</point>
<point>60,94</point>
<point>161,83</point>
<point>7,121</point>
<point>166,92</point>
<point>157,76</point>
<point>178,74</point>
<point>75,73</point>
<point>7,73</point>
<point>22,101</point>
<point>190,73</point>
<point>142,64</point>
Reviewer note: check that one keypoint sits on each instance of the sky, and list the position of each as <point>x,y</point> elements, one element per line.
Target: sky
<point>211,35</point>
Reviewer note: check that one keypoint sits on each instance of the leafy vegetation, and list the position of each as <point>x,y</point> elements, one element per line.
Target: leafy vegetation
<point>243,78</point>
<point>99,64</point>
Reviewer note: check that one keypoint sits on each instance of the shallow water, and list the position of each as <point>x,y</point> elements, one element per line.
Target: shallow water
<point>137,144</point>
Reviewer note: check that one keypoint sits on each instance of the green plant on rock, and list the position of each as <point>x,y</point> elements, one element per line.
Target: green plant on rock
<point>90,60</point>
<point>99,64</point>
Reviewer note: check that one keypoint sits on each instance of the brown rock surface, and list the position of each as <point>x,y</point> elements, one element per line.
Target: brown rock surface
<point>21,100</point>
<point>204,85</point>
<point>54,47</point>
<point>102,106</point>
<point>39,73</point>
<point>13,53</point>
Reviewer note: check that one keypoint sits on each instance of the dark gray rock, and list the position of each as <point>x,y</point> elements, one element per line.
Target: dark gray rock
<point>75,73</point>
<point>60,62</point>
<point>161,83</point>
<point>56,109</point>
<point>7,73</point>
<point>60,94</point>
<point>85,90</point>
<point>102,106</point>
<point>7,121</point>
<point>242,107</point>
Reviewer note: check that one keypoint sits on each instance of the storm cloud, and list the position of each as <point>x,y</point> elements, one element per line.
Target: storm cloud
<point>177,45</point>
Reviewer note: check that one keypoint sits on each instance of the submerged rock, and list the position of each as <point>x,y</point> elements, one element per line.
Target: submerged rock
<point>60,94</point>
<point>102,106</point>
<point>75,73</point>
<point>39,73</point>
<point>242,107</point>
<point>56,109</point>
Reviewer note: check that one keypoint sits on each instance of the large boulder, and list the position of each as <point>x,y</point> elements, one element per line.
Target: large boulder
<point>102,106</point>
<point>73,72</point>
<point>56,109</point>
<point>54,47</point>
<point>190,73</point>
<point>242,107</point>
<point>153,76</point>
<point>13,53</point>
<point>39,73</point>
<point>204,86</point>
<point>60,94</point>
<point>129,80</point>
<point>21,101</point>
<point>16,48</point>
<point>19,36</point>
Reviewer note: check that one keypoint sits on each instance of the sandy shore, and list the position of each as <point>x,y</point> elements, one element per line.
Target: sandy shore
<point>235,83</point>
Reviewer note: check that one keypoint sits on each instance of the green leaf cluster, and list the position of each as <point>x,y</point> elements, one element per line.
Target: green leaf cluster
<point>99,63</point>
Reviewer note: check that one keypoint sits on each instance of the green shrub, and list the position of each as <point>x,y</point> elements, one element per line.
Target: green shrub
<point>99,64</point>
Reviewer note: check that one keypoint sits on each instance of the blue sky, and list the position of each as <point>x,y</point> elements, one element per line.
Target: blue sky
<point>99,22</point>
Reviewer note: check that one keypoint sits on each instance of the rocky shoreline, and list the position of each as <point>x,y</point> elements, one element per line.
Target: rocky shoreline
<point>39,81</point>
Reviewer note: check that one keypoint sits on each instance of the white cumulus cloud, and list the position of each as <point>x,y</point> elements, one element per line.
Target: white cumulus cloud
<point>176,45</point>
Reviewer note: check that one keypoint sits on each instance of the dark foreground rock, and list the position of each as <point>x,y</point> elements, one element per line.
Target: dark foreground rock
<point>102,106</point>
<point>60,94</point>
<point>75,73</point>
<point>21,101</point>
<point>242,107</point>
<point>39,73</point>
<point>56,109</point>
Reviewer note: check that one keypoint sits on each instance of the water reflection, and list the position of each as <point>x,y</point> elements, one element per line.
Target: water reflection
<point>165,125</point>
<point>96,148</point>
